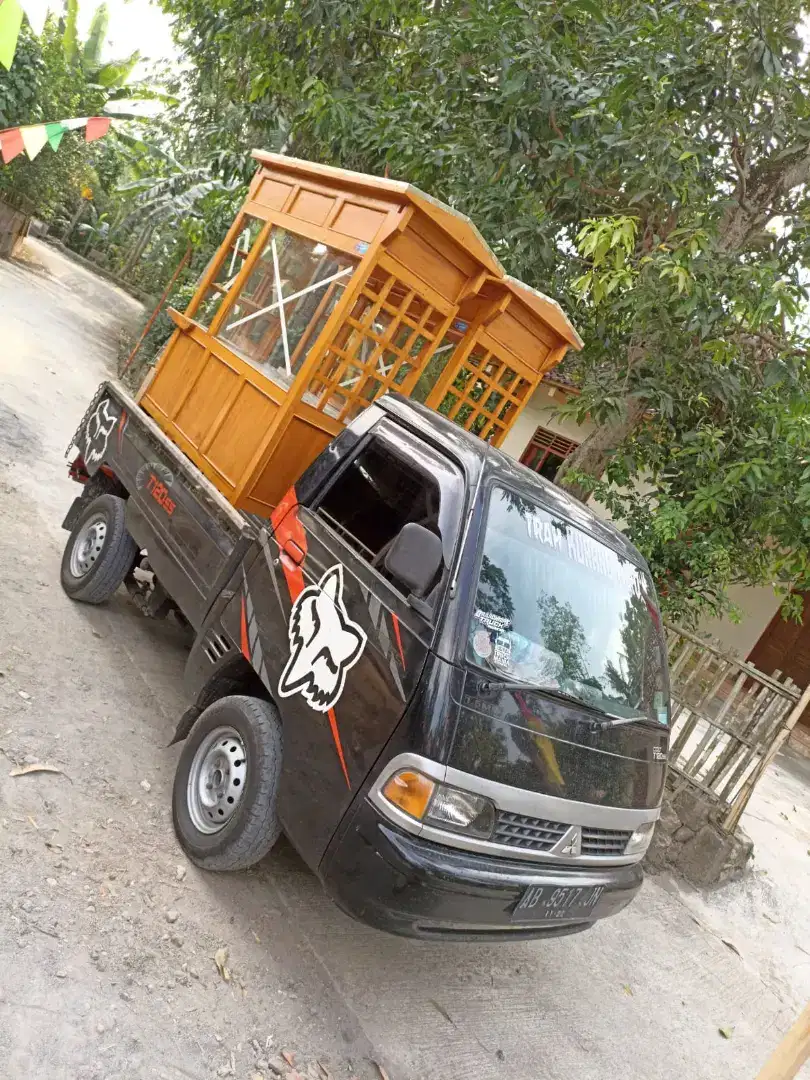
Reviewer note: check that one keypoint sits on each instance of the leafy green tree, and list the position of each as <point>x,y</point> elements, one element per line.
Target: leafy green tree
<point>494,595</point>
<point>647,163</point>
<point>561,632</point>
<point>40,87</point>
<point>54,77</point>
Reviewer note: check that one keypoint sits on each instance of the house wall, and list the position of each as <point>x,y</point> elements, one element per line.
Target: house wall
<point>541,412</point>
<point>757,605</point>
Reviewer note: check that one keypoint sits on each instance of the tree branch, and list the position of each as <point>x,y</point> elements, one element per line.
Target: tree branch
<point>758,198</point>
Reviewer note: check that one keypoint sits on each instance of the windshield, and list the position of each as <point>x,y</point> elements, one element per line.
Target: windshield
<point>557,609</point>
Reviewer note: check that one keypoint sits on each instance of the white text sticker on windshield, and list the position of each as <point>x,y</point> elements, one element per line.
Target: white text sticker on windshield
<point>581,548</point>
<point>502,654</point>
<point>491,620</point>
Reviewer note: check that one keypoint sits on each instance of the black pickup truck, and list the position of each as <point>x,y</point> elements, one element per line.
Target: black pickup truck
<point>444,679</point>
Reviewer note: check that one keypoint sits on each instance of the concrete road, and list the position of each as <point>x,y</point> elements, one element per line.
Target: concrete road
<point>107,935</point>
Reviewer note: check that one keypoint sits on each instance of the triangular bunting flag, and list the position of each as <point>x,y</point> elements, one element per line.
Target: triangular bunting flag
<point>34,138</point>
<point>36,11</point>
<point>54,133</point>
<point>97,127</point>
<point>11,15</point>
<point>11,142</point>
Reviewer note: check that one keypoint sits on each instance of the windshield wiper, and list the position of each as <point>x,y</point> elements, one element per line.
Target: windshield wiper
<point>607,719</point>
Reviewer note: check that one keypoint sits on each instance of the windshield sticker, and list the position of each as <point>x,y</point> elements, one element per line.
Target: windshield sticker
<point>481,644</point>
<point>581,548</point>
<point>491,620</point>
<point>660,707</point>
<point>324,643</point>
<point>502,653</point>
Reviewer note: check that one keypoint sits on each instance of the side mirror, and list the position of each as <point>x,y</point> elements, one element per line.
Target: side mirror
<point>415,558</point>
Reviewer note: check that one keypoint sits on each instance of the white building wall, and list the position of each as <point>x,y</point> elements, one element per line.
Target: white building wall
<point>541,412</point>
<point>758,605</point>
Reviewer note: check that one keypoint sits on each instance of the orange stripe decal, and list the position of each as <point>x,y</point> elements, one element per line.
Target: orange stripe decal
<point>121,422</point>
<point>395,622</point>
<point>336,736</point>
<point>244,633</point>
<point>287,527</point>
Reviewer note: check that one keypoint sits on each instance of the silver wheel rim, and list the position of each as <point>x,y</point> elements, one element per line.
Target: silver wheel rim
<point>216,780</point>
<point>88,545</point>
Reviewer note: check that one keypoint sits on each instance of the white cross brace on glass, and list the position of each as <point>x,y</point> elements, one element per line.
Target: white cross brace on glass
<point>287,300</point>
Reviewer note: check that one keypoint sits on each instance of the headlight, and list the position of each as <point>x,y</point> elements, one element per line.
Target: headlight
<point>640,840</point>
<point>439,804</point>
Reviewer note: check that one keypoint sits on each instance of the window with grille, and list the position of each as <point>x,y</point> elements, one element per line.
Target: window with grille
<point>546,452</point>
<point>383,344</point>
<point>485,396</point>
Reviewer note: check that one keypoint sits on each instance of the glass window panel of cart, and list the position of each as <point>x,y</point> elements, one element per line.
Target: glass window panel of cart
<point>285,302</point>
<point>231,262</point>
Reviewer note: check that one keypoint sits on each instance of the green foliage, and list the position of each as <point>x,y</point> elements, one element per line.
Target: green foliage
<point>627,157</point>
<point>91,54</point>
<point>43,86</point>
<point>70,36</point>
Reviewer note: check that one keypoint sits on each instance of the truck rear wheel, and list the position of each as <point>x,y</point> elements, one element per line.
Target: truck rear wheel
<point>226,784</point>
<point>99,553</point>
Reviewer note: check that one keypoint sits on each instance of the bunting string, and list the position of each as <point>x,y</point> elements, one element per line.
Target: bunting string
<point>31,138</point>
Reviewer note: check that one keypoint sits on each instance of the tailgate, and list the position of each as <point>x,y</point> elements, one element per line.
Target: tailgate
<point>194,537</point>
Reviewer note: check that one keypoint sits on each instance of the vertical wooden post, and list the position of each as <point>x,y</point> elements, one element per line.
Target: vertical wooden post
<point>156,312</point>
<point>791,1053</point>
<point>781,738</point>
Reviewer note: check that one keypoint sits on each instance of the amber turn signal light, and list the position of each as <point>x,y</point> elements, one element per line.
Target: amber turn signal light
<point>410,791</point>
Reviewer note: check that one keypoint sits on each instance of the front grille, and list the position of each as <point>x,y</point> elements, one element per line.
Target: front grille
<point>604,841</point>
<point>535,834</point>
<point>529,833</point>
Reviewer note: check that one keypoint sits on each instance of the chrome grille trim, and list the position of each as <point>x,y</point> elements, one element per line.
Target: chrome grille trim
<point>602,827</point>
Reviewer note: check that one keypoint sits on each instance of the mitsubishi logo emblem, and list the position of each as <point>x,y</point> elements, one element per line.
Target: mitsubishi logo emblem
<point>572,842</point>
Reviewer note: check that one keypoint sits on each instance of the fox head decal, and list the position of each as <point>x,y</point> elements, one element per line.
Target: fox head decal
<point>97,432</point>
<point>324,643</point>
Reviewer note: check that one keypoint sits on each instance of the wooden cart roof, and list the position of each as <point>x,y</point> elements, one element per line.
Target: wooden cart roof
<point>457,225</point>
<point>548,310</point>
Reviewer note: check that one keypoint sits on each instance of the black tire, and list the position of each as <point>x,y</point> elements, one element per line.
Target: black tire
<point>112,560</point>
<point>254,827</point>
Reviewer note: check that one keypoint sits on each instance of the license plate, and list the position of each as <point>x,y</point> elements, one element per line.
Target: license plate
<point>549,903</point>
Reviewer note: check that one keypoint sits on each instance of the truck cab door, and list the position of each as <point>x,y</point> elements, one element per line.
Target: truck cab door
<point>345,649</point>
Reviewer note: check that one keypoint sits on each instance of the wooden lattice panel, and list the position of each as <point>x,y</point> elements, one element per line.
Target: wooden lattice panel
<point>485,395</point>
<point>383,344</point>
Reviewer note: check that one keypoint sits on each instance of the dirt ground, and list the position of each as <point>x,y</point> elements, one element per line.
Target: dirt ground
<point>108,936</point>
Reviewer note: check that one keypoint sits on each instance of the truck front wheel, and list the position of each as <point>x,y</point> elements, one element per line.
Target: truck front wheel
<point>99,553</point>
<point>226,784</point>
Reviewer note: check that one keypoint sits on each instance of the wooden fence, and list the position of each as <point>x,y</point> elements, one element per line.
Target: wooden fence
<point>727,718</point>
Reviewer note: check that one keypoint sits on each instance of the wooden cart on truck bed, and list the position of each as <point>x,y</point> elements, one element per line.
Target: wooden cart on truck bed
<point>330,288</point>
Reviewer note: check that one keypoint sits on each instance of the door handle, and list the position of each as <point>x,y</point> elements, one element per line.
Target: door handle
<point>293,552</point>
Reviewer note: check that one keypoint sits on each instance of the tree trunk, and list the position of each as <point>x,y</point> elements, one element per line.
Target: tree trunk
<point>74,221</point>
<point>593,454</point>
<point>137,250</point>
